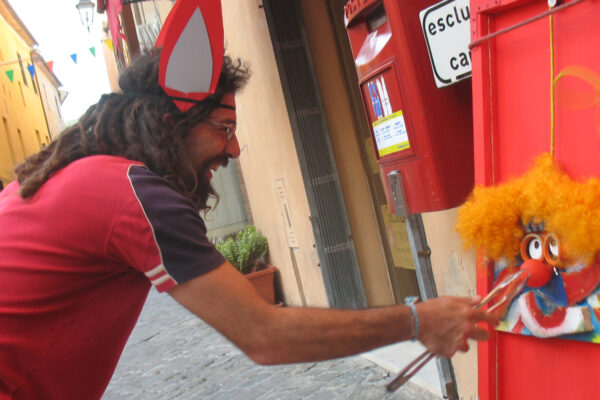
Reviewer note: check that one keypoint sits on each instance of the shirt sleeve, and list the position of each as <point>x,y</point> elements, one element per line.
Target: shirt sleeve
<point>161,233</point>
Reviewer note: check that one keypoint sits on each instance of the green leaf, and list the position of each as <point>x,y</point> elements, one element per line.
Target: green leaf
<point>245,248</point>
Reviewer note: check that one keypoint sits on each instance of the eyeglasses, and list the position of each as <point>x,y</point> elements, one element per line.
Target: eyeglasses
<point>541,246</point>
<point>228,129</point>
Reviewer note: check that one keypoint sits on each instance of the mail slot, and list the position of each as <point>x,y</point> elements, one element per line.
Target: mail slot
<point>423,135</point>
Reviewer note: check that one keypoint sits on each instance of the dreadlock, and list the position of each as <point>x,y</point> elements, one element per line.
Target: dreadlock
<point>130,124</point>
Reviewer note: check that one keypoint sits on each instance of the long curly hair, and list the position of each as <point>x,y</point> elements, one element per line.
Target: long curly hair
<point>494,218</point>
<point>130,124</point>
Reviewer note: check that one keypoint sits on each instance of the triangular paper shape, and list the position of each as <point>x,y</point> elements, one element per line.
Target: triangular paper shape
<point>74,57</point>
<point>109,43</point>
<point>93,51</point>
<point>31,69</point>
<point>192,50</point>
<point>50,65</point>
<point>10,73</point>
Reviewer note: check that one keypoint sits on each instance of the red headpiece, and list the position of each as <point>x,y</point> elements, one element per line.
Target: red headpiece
<point>192,51</point>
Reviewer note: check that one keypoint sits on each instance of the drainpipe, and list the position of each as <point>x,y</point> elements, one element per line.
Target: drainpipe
<point>421,252</point>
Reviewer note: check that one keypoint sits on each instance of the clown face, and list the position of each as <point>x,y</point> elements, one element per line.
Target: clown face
<point>560,296</point>
<point>546,224</point>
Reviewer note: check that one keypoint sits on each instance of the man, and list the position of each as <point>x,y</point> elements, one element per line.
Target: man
<point>111,207</point>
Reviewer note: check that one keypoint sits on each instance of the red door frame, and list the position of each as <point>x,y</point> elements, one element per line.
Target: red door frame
<point>540,371</point>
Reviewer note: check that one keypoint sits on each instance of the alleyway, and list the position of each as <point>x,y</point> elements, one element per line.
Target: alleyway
<point>173,355</point>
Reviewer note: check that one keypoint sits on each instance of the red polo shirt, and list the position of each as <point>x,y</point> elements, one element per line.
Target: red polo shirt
<point>76,263</point>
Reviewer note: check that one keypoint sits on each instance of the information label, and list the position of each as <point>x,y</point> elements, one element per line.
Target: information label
<point>390,134</point>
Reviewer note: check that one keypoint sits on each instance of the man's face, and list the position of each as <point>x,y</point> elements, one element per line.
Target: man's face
<point>207,145</point>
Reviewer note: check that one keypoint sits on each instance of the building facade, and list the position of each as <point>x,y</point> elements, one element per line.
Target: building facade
<point>30,99</point>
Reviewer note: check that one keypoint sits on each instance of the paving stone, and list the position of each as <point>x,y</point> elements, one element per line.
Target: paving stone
<point>173,355</point>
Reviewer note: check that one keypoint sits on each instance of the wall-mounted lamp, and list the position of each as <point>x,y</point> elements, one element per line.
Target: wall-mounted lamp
<point>86,12</point>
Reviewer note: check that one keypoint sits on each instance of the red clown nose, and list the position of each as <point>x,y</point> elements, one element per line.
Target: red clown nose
<point>539,272</point>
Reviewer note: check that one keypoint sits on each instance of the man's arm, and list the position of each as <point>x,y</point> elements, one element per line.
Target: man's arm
<point>273,335</point>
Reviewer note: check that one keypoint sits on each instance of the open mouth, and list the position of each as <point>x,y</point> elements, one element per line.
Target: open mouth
<point>213,165</point>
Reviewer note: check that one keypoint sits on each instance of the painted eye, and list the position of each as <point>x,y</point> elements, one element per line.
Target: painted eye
<point>552,247</point>
<point>535,249</point>
<point>532,247</point>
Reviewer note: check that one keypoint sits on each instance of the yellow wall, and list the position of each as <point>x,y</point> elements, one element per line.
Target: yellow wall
<point>23,128</point>
<point>269,156</point>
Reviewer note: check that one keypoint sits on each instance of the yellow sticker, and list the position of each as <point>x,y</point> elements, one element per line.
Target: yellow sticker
<point>390,134</point>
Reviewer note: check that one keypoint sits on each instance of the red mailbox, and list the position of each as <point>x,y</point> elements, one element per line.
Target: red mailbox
<point>422,134</point>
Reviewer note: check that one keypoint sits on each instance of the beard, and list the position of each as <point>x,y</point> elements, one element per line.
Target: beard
<point>202,193</point>
<point>204,188</point>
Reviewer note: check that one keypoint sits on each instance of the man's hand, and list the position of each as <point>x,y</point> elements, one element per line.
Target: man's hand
<point>446,323</point>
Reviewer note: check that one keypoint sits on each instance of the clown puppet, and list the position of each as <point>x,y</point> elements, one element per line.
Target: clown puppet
<point>544,222</point>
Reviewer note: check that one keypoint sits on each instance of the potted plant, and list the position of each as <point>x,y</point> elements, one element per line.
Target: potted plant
<point>245,251</point>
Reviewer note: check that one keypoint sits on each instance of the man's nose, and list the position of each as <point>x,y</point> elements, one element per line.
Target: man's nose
<point>233,147</point>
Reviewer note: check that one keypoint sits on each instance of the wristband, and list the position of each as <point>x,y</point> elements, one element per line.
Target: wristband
<point>415,319</point>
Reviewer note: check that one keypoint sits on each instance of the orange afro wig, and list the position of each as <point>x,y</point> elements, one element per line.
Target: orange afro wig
<point>494,218</point>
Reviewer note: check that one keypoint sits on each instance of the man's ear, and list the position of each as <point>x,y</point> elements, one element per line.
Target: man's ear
<point>168,120</point>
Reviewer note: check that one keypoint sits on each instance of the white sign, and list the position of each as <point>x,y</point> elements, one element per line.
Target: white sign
<point>446,27</point>
<point>284,209</point>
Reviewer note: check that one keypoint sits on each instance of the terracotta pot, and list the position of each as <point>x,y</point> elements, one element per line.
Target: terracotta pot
<point>264,282</point>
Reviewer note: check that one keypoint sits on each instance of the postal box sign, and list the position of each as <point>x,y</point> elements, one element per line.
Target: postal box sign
<point>389,127</point>
<point>446,27</point>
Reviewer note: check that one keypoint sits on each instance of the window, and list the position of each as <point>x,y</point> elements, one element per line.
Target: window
<point>22,143</point>
<point>43,89</point>
<point>11,150</point>
<point>39,138</point>
<point>7,94</point>
<point>22,70</point>
<point>33,81</point>
<point>57,107</point>
<point>22,95</point>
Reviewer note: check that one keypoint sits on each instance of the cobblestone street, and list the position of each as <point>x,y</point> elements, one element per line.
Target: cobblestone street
<point>173,355</point>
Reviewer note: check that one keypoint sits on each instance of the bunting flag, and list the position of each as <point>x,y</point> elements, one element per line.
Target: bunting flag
<point>31,63</point>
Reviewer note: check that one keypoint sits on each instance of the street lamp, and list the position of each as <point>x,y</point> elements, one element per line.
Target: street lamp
<point>86,12</point>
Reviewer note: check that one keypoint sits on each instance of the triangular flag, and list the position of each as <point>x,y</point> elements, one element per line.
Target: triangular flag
<point>50,65</point>
<point>10,74</point>
<point>74,57</point>
<point>109,43</point>
<point>31,69</point>
<point>93,50</point>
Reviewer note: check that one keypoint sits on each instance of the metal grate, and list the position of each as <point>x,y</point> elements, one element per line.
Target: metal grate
<point>333,237</point>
